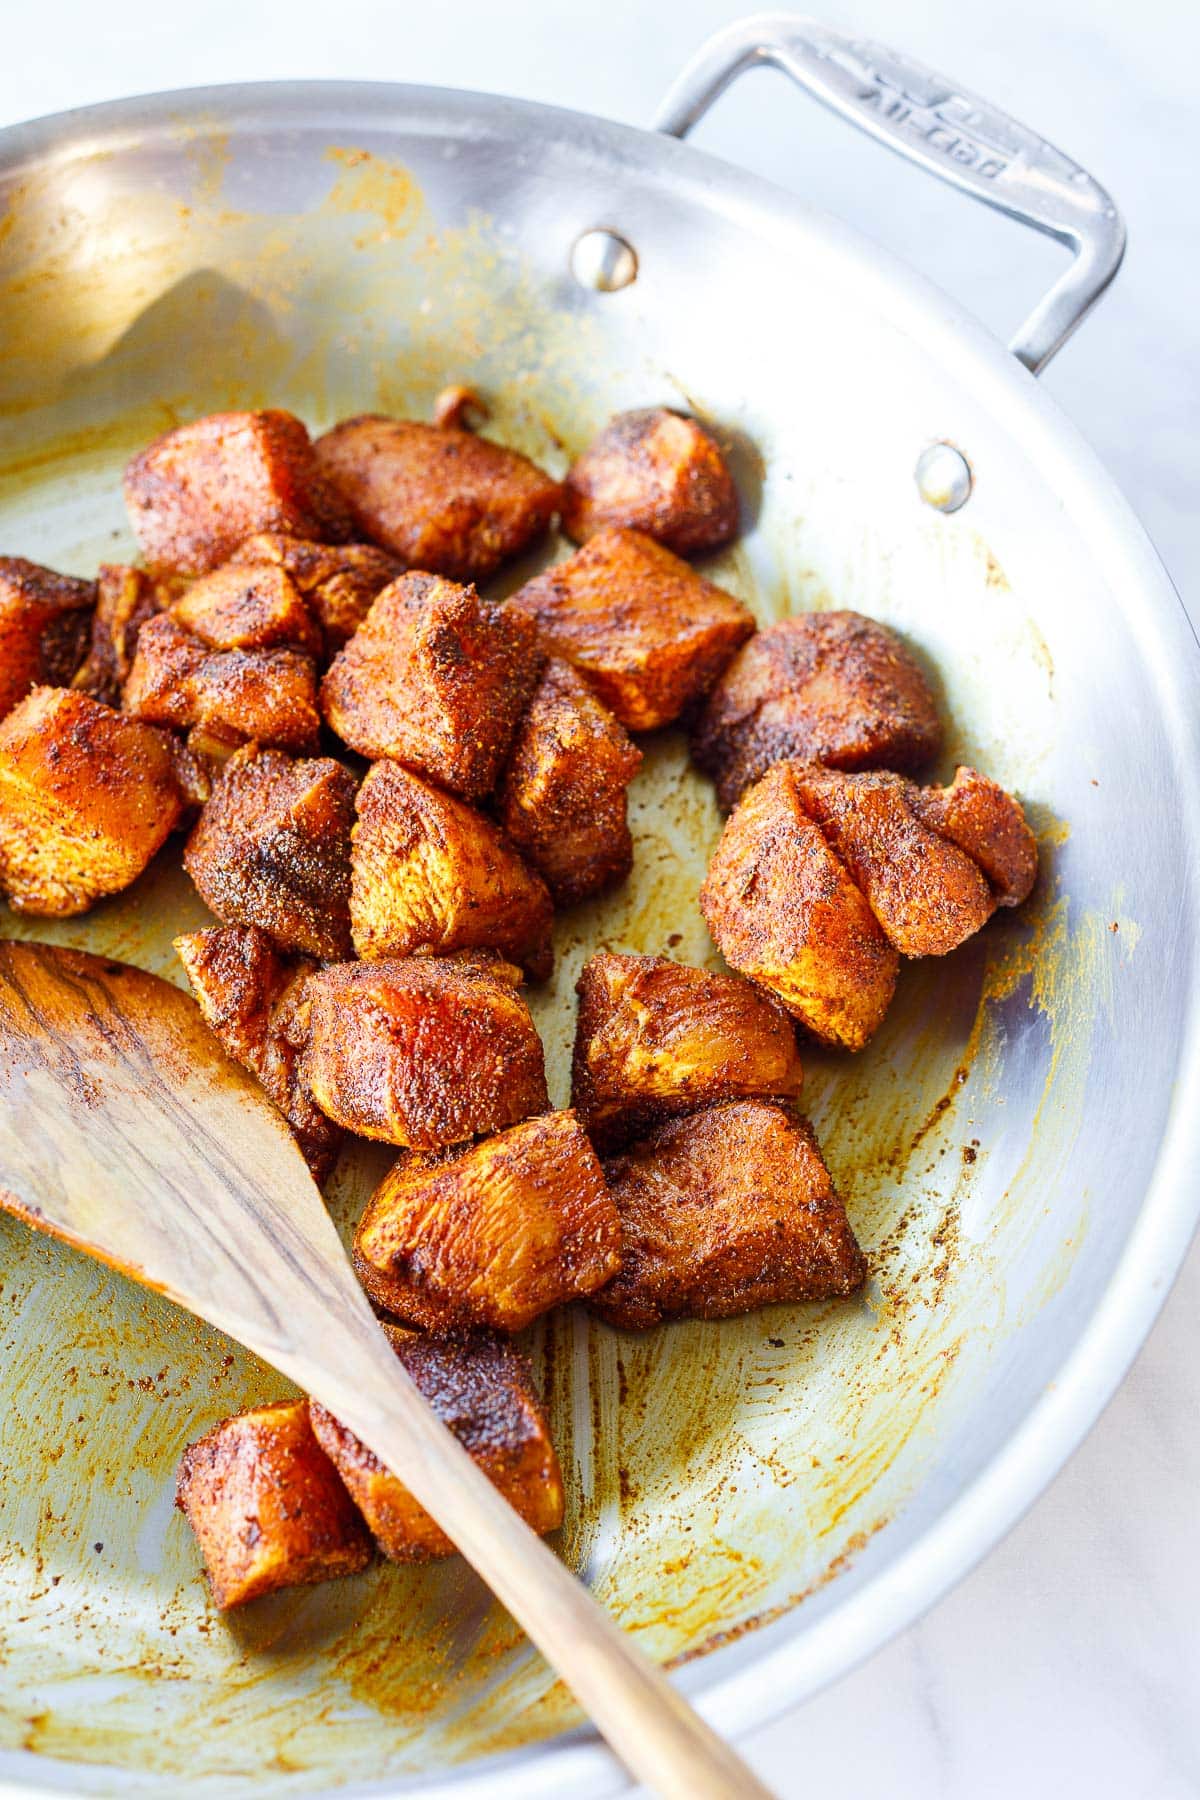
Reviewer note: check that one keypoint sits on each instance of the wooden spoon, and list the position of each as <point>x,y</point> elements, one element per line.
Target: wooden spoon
<point>127,1131</point>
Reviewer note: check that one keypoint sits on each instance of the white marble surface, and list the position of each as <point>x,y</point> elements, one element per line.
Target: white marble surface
<point>1069,1663</point>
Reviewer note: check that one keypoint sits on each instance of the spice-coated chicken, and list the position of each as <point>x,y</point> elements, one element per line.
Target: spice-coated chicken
<point>563,795</point>
<point>492,1235</point>
<point>254,1000</point>
<point>272,848</point>
<point>422,1051</point>
<point>126,599</point>
<point>45,622</point>
<point>654,471</point>
<point>646,631</point>
<point>434,678</point>
<point>481,1387</point>
<point>655,1038</point>
<point>439,499</point>
<point>723,1211</point>
<point>337,581</point>
<point>255,608</point>
<point>829,687</point>
<point>230,697</point>
<point>86,798</point>
<point>430,874</point>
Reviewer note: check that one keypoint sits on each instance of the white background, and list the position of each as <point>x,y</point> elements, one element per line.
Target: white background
<point>1069,1664</point>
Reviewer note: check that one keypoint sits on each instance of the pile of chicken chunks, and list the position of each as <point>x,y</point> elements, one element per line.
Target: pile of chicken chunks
<point>390,784</point>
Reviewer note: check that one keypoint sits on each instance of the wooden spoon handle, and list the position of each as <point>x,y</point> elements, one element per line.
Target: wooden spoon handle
<point>650,1726</point>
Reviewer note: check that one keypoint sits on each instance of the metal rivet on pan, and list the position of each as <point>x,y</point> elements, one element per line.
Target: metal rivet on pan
<point>943,477</point>
<point>602,261</point>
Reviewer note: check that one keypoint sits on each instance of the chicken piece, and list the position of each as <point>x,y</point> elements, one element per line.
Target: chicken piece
<point>439,499</point>
<point>272,848</point>
<point>45,619</point>
<point>429,873</point>
<point>646,632</point>
<point>562,797</point>
<point>256,608</point>
<point>337,581</point>
<point>831,687</point>
<point>783,909</point>
<point>422,1051</point>
<point>491,1236</point>
<point>988,823</point>
<point>86,798</point>
<point>655,1039</point>
<point>927,895</point>
<point>267,1506</point>
<point>254,1000</point>
<point>654,471</point>
<point>461,407</point>
<point>226,696</point>
<point>198,492</point>
<point>125,599</point>
<point>481,1387</point>
<point>435,678</point>
<point>726,1210</point>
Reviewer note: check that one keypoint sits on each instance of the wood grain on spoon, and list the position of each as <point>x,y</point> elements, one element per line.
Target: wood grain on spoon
<point>127,1131</point>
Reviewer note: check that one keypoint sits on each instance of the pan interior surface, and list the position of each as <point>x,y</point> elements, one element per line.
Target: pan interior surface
<point>730,1486</point>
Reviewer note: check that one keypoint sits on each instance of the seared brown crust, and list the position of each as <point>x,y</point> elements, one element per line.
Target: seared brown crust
<point>338,581</point>
<point>86,798</point>
<point>481,1387</point>
<point>267,1506</point>
<point>254,1000</point>
<point>832,687</point>
<point>435,678</point>
<point>988,823</point>
<point>440,499</point>
<point>655,1039</point>
<point>646,632</point>
<point>231,696</point>
<point>256,608</point>
<point>429,873</point>
<point>783,909</point>
<point>125,599</point>
<point>198,492</point>
<point>45,619</point>
<point>422,1051</point>
<point>654,471</point>
<point>562,797</point>
<point>726,1210</point>
<point>272,848</point>
<point>492,1236</point>
<point>926,894</point>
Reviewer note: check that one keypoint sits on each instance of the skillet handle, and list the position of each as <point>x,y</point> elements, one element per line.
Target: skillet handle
<point>934,123</point>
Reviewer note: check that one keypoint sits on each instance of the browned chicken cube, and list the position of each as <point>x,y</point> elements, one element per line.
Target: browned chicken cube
<point>198,492</point>
<point>655,1038</point>
<point>45,622</point>
<point>927,895</point>
<point>337,581</point>
<point>562,797</point>
<point>257,608</point>
<point>783,909</point>
<point>832,687</point>
<point>254,1000</point>
<point>228,696</point>
<point>438,498</point>
<point>422,1051</point>
<point>648,633</point>
<point>272,848</point>
<point>481,1387</point>
<point>435,678</point>
<point>267,1506</point>
<point>989,825</point>
<point>654,471</point>
<point>726,1210</point>
<point>86,798</point>
<point>429,873</point>
<point>125,599</point>
<point>493,1235</point>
